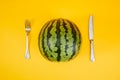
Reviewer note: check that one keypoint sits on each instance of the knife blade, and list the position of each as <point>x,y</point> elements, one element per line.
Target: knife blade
<point>91,28</point>
<point>91,38</point>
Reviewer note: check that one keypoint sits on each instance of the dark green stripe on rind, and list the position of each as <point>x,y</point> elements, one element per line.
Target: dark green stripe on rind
<point>52,41</point>
<point>58,40</point>
<point>44,41</point>
<point>78,38</point>
<point>69,42</point>
<point>48,36</point>
<point>51,55</point>
<point>53,38</point>
<point>74,37</point>
<point>40,39</point>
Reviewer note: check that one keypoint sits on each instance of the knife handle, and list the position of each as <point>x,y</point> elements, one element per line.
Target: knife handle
<point>92,57</point>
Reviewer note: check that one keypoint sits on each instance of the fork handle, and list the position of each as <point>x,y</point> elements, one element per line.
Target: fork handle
<point>92,57</point>
<point>27,54</point>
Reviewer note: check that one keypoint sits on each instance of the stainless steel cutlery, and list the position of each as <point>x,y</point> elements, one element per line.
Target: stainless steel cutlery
<point>27,29</point>
<point>91,38</point>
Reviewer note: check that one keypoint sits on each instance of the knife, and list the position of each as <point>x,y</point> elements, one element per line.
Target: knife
<point>91,38</point>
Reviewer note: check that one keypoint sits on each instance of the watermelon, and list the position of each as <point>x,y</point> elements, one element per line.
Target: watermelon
<point>59,40</point>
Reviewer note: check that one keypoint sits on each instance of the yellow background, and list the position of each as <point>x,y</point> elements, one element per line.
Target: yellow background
<point>14,66</point>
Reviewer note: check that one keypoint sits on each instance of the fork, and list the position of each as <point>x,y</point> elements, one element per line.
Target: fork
<point>27,29</point>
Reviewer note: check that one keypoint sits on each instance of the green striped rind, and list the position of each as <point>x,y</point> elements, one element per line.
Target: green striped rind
<point>59,40</point>
<point>40,38</point>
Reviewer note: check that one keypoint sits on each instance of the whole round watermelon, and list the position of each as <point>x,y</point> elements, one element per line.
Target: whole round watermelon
<point>59,40</point>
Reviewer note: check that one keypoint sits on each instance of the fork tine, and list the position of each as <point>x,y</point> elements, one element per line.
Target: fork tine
<point>27,24</point>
